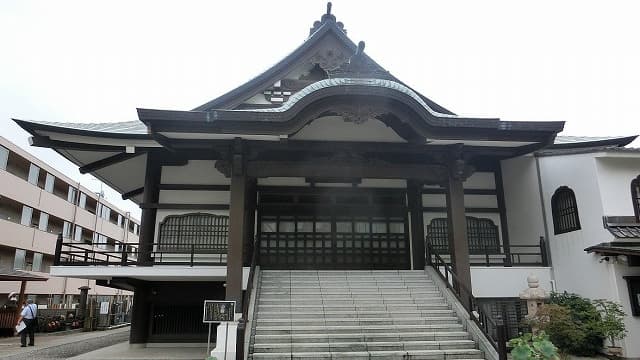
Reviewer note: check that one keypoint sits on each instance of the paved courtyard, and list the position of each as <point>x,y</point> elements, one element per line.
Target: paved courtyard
<point>96,345</point>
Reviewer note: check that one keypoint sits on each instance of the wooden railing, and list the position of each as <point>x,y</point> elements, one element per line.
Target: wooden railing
<point>492,328</point>
<point>514,255</point>
<point>126,254</point>
<point>242,325</point>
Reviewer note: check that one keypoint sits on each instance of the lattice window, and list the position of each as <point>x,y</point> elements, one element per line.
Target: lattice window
<point>198,230</point>
<point>635,196</point>
<point>564,210</point>
<point>482,235</point>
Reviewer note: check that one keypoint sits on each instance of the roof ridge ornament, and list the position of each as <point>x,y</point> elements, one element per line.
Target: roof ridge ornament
<point>360,66</point>
<point>327,17</point>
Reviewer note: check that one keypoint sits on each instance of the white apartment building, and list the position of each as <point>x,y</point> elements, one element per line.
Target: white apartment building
<point>37,203</point>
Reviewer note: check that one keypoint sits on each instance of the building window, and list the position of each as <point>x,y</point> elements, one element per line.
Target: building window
<point>34,172</point>
<point>43,224</point>
<point>83,200</point>
<point>564,210</point>
<point>27,213</point>
<point>20,259</point>
<point>78,234</point>
<point>4,157</point>
<point>37,262</point>
<point>48,183</point>
<point>482,235</point>
<point>72,194</point>
<point>66,229</point>
<point>635,196</point>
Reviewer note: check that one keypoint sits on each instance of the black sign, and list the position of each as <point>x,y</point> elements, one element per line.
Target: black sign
<point>218,311</point>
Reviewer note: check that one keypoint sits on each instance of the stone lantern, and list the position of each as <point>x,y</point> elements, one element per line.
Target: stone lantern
<point>534,294</point>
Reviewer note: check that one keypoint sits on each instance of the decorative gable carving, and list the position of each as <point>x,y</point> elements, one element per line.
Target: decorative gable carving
<point>329,59</point>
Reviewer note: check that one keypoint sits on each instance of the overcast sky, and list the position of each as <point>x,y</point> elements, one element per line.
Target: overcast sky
<point>89,61</point>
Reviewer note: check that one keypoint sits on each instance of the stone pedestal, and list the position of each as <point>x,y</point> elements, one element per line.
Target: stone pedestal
<point>226,339</point>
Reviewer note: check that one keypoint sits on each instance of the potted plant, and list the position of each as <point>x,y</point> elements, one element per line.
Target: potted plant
<point>612,324</point>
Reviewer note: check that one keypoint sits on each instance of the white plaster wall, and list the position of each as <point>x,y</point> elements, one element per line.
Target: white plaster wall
<point>522,200</point>
<point>480,180</point>
<point>498,281</point>
<point>194,197</point>
<point>334,128</point>
<point>574,269</point>
<point>632,323</point>
<point>201,172</point>
<point>615,176</point>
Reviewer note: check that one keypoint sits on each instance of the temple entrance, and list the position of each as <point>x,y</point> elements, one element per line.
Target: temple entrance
<point>333,228</point>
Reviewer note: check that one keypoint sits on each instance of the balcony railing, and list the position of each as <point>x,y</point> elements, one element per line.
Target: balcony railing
<point>514,255</point>
<point>126,254</point>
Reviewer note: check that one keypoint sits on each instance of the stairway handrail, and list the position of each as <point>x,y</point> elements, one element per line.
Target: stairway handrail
<point>477,312</point>
<point>245,304</point>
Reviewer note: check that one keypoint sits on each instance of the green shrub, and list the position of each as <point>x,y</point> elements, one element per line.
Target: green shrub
<point>612,324</point>
<point>529,347</point>
<point>585,336</point>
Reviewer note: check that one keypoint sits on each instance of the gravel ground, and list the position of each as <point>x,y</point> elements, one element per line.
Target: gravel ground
<point>72,348</point>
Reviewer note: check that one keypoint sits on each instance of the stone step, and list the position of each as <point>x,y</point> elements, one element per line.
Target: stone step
<point>359,321</point>
<point>363,346</point>
<point>359,337</point>
<point>349,289</point>
<point>354,329</point>
<point>351,307</point>
<point>354,299</point>
<point>366,355</point>
<point>349,301</point>
<point>322,313</point>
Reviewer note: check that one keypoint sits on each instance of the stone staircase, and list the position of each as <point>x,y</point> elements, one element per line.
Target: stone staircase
<point>355,315</point>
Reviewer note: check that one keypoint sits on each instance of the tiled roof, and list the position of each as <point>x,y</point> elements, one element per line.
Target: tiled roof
<point>121,128</point>
<point>581,139</point>
<point>622,227</point>
<point>616,248</point>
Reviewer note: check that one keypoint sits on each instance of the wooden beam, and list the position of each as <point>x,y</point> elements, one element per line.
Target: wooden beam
<point>135,192</point>
<point>108,161</point>
<point>432,174</point>
<point>440,209</point>
<point>174,206</point>
<point>466,191</point>
<point>196,187</point>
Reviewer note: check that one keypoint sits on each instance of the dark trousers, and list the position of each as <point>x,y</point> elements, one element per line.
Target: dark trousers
<point>30,330</point>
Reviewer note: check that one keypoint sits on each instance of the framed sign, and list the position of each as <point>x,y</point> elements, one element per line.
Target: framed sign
<point>216,311</point>
<point>104,308</point>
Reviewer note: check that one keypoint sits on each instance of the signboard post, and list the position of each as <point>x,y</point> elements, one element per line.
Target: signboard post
<point>217,311</point>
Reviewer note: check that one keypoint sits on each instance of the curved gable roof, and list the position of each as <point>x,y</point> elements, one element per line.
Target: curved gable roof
<point>327,27</point>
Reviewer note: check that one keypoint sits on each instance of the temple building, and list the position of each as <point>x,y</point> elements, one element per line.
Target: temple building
<point>327,184</point>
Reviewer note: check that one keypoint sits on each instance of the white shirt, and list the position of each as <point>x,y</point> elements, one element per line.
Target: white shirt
<point>30,311</point>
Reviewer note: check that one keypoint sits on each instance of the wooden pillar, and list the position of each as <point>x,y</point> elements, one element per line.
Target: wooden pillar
<point>457,225</point>
<point>148,219</point>
<point>140,315</point>
<point>414,202</point>
<point>21,299</point>
<point>237,226</point>
<point>504,227</point>
<point>237,231</point>
<point>250,220</point>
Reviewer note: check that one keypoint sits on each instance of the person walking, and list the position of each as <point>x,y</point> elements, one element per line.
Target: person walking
<point>28,315</point>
